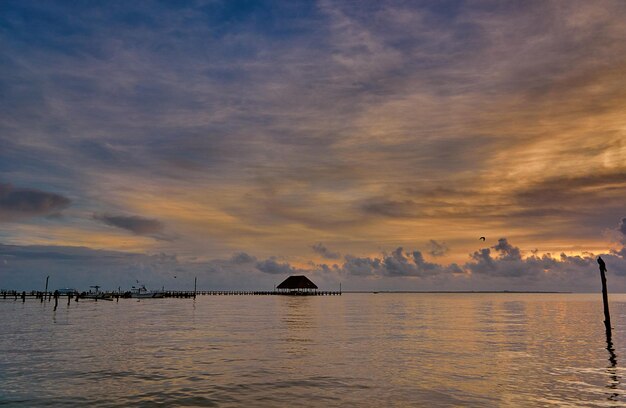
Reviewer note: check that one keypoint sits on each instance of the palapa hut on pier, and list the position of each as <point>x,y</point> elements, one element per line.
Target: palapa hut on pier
<point>297,285</point>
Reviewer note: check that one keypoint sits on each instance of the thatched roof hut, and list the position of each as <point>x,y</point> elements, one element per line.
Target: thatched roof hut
<point>297,283</point>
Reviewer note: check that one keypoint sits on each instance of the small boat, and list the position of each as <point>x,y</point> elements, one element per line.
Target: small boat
<point>96,295</point>
<point>140,292</point>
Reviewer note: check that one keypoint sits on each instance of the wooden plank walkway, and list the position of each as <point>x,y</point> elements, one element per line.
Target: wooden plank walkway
<point>254,293</point>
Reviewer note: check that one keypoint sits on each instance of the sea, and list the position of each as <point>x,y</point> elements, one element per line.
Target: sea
<point>354,350</point>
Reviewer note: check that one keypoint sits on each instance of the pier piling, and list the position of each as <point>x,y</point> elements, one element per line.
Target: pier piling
<point>605,299</point>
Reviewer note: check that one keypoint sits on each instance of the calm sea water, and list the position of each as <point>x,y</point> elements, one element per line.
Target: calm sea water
<point>478,350</point>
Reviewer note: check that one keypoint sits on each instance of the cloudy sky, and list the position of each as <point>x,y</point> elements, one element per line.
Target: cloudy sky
<point>368,143</point>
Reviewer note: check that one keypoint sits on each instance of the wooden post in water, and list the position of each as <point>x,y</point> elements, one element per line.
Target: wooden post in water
<point>605,299</point>
<point>195,286</point>
<point>46,291</point>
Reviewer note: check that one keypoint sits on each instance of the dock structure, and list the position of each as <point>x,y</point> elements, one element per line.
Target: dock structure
<point>295,285</point>
<point>180,294</point>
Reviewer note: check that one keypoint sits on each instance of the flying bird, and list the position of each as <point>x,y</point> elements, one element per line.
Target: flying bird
<point>482,238</point>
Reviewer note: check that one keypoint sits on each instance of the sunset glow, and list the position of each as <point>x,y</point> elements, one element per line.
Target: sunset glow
<point>364,143</point>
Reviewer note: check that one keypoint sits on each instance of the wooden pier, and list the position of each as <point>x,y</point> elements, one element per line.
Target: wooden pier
<point>260,293</point>
<point>185,294</point>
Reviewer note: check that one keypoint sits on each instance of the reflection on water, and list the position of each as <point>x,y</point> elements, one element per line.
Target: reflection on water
<point>357,350</point>
<point>613,384</point>
<point>298,319</point>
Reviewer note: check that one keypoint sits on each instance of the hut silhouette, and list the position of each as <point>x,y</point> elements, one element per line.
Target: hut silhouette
<point>297,285</point>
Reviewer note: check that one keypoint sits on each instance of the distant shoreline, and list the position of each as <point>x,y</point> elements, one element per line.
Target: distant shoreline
<point>455,291</point>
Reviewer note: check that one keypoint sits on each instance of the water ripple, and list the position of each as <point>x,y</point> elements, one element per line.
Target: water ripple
<point>435,350</point>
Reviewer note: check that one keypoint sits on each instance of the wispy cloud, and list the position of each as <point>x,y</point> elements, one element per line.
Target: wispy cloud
<point>323,250</point>
<point>436,248</point>
<point>133,223</point>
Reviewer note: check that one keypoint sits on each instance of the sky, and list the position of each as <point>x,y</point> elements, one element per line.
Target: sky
<point>364,143</point>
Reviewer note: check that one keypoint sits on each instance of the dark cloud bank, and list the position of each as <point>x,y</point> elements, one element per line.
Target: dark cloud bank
<point>19,203</point>
<point>502,260</point>
<point>26,267</point>
<point>274,267</point>
<point>502,266</point>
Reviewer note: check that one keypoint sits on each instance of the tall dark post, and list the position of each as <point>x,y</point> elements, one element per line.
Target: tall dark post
<point>605,299</point>
<point>195,285</point>
<point>46,291</point>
